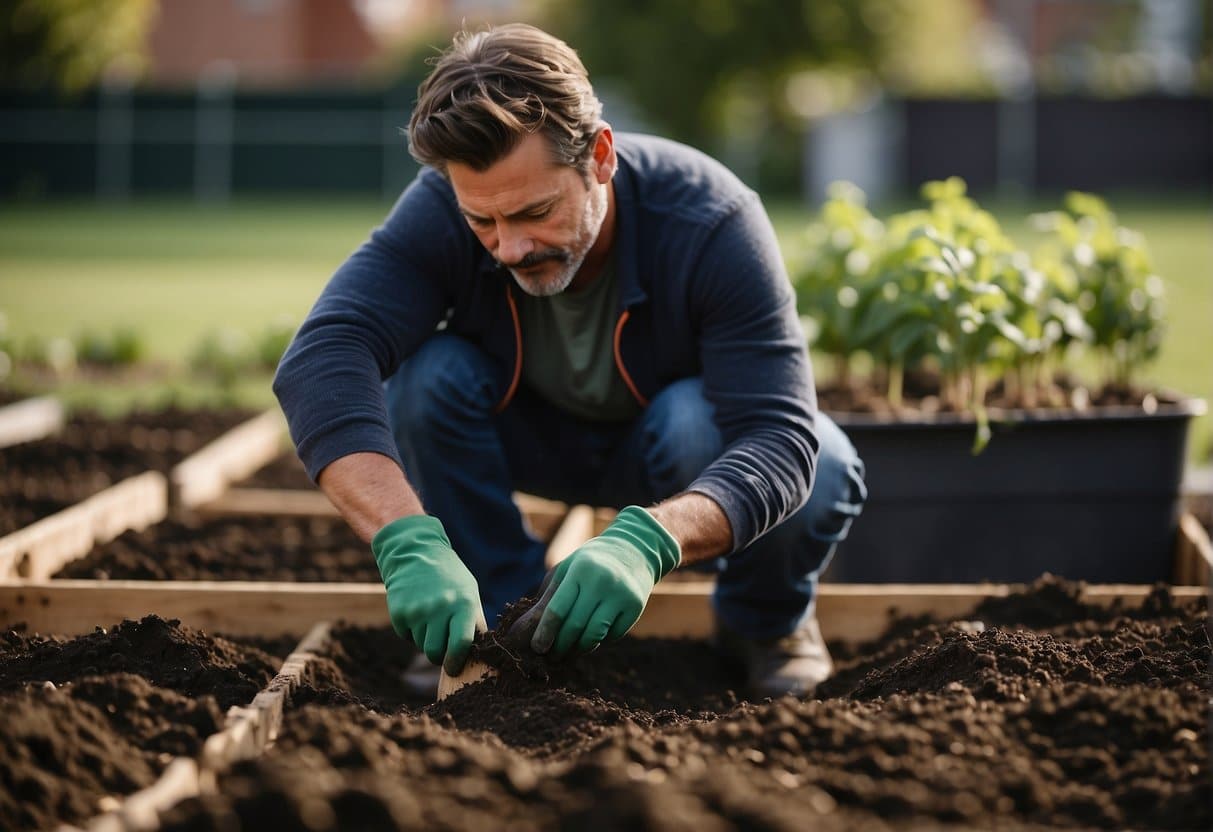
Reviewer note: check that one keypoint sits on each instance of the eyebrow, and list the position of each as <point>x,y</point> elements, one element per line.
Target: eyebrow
<point>530,208</point>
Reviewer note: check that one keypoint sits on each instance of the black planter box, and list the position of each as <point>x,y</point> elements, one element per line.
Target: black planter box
<point>1090,496</point>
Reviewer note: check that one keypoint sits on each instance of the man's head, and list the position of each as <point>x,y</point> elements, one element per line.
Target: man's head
<point>493,88</point>
<point>509,116</point>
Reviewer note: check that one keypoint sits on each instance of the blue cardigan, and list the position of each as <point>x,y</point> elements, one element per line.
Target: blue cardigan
<point>703,292</point>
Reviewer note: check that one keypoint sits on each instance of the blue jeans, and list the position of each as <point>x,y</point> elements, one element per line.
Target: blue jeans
<point>466,461</point>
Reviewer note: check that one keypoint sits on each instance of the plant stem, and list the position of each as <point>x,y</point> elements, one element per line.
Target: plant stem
<point>896,379</point>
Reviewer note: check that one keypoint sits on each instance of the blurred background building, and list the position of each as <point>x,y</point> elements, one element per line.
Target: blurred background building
<point>124,97</point>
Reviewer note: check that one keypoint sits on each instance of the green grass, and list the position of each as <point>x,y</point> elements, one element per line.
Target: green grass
<point>175,270</point>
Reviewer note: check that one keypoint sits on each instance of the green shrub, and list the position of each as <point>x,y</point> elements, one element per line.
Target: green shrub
<point>121,347</point>
<point>271,342</point>
<point>224,354</point>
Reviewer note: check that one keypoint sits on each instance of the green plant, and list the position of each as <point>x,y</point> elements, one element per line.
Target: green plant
<point>121,347</point>
<point>943,287</point>
<point>225,354</point>
<point>1117,291</point>
<point>837,271</point>
<point>271,342</point>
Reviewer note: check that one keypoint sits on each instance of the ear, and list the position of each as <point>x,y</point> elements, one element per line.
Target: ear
<point>602,168</point>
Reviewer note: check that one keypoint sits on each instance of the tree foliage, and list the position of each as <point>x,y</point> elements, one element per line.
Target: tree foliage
<point>70,44</point>
<point>685,62</point>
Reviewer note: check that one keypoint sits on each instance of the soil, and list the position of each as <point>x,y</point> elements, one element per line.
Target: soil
<point>92,453</point>
<point>1034,712</point>
<point>285,471</point>
<point>238,548</point>
<point>921,397</point>
<point>103,714</point>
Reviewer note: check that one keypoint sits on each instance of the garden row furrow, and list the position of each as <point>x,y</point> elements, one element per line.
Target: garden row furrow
<point>247,731</point>
<point>37,549</point>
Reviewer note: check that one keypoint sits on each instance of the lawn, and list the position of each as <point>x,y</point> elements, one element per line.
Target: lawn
<point>176,271</point>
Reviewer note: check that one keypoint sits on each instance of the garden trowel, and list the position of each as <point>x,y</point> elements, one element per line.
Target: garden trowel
<point>518,636</point>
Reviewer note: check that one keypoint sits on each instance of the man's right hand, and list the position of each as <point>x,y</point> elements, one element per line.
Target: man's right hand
<point>431,595</point>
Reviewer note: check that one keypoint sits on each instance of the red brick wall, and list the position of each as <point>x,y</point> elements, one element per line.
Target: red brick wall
<point>267,41</point>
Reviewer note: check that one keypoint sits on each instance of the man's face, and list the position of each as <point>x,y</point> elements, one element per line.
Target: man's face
<point>536,217</point>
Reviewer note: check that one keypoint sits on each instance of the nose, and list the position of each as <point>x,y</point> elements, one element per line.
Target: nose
<point>512,244</point>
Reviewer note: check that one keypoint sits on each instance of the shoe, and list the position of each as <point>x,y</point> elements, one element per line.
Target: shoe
<point>420,678</point>
<point>794,664</point>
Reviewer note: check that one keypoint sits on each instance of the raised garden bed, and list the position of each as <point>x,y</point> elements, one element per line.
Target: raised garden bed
<point>92,453</point>
<point>91,719</point>
<point>1031,710</point>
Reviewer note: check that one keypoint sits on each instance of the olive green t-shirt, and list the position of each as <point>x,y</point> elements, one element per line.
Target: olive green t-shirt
<point>568,351</point>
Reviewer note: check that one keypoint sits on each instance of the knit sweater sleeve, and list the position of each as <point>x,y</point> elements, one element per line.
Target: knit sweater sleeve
<point>756,374</point>
<point>380,305</point>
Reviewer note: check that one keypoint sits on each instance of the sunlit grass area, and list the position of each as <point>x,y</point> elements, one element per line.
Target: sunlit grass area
<point>176,271</point>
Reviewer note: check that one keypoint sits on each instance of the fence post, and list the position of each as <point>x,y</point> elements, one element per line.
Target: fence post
<point>1016,109</point>
<point>213,129</point>
<point>115,135</point>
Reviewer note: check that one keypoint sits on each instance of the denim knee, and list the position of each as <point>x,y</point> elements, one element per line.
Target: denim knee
<point>839,491</point>
<point>448,379</point>
<point>680,437</point>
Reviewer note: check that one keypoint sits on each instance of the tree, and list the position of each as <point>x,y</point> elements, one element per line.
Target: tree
<point>70,44</point>
<point>719,73</point>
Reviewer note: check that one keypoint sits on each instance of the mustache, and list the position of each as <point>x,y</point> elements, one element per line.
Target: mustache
<point>537,257</point>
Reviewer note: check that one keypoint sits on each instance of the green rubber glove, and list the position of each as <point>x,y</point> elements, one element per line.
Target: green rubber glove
<point>599,591</point>
<point>431,595</point>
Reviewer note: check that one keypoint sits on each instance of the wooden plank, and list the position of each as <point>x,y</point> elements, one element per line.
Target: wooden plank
<point>250,729</point>
<point>140,812</point>
<point>274,502</point>
<point>577,528</point>
<point>1193,553</point>
<point>602,519</point>
<point>71,607</point>
<point>31,419</point>
<point>42,548</point>
<point>206,474</point>
<point>848,612</point>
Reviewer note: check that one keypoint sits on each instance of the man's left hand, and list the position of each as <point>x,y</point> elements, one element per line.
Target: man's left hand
<point>598,592</point>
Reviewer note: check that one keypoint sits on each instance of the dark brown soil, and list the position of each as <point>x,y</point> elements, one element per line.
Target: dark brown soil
<point>239,548</point>
<point>1034,712</point>
<point>62,749</point>
<point>102,714</point>
<point>921,397</point>
<point>164,652</point>
<point>92,453</point>
<point>286,471</point>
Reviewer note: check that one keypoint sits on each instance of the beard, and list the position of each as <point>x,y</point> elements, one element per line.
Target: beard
<point>569,261</point>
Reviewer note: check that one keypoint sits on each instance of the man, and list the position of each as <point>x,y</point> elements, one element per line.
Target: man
<point>586,316</point>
